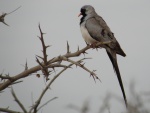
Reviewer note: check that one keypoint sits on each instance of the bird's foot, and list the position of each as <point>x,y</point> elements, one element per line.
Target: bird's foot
<point>93,45</point>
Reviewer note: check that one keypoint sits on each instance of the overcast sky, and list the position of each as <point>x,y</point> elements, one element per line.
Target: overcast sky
<point>128,19</point>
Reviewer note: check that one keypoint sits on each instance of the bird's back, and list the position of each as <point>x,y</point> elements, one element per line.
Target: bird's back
<point>110,35</point>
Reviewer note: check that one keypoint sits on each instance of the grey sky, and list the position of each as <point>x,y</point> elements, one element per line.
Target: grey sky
<point>129,20</point>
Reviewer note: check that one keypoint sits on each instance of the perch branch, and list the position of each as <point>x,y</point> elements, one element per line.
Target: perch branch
<point>28,72</point>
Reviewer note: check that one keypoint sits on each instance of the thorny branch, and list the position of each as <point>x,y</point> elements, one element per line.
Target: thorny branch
<point>44,69</point>
<point>52,63</point>
<point>4,14</point>
<point>44,66</point>
<point>35,106</point>
<point>82,66</point>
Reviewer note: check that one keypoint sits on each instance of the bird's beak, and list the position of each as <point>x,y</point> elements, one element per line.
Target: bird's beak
<point>80,14</point>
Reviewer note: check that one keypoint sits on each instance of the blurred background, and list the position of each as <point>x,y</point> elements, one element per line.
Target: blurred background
<point>75,89</point>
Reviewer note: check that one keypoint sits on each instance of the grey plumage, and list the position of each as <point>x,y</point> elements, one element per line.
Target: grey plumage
<point>94,29</point>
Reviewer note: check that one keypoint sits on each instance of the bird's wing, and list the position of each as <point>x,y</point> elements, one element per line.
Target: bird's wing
<point>99,30</point>
<point>95,30</point>
<point>110,35</point>
<point>103,23</point>
<point>112,49</point>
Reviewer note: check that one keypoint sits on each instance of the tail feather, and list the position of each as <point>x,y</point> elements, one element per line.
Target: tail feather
<point>113,59</point>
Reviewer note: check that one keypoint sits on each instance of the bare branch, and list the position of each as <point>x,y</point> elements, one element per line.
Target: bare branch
<point>14,10</point>
<point>2,18</point>
<point>44,58</point>
<point>46,103</point>
<point>49,62</point>
<point>18,101</point>
<point>43,45</point>
<point>19,76</point>
<point>44,70</point>
<point>37,60</point>
<point>4,14</point>
<point>8,111</point>
<point>47,87</point>
<point>82,66</point>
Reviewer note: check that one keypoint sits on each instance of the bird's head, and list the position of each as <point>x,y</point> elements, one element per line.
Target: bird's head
<point>86,9</point>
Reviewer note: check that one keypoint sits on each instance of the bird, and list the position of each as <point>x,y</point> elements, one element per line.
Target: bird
<point>94,29</point>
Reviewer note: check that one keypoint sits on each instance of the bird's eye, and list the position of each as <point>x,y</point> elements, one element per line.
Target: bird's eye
<point>83,10</point>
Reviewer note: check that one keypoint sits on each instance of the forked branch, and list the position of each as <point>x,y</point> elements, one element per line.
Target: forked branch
<point>51,63</point>
<point>2,17</point>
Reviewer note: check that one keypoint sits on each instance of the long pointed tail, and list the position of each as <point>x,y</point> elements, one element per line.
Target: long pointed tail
<point>113,59</point>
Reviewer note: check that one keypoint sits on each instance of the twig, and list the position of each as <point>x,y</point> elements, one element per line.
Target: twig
<point>51,61</point>
<point>82,66</point>
<point>2,18</point>
<point>8,111</point>
<point>18,101</point>
<point>43,46</point>
<point>47,87</point>
<point>13,10</point>
<point>46,103</point>
<point>4,14</point>
<point>44,58</point>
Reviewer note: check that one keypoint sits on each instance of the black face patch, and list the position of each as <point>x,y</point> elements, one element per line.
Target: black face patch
<point>83,15</point>
<point>83,12</point>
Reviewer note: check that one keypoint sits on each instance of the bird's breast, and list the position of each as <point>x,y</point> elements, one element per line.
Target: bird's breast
<point>85,34</point>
